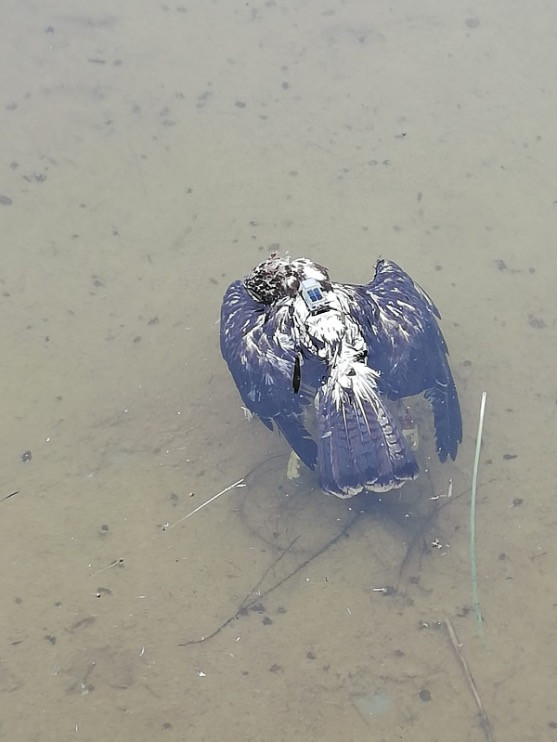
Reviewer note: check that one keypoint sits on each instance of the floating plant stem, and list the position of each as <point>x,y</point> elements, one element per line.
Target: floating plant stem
<point>474,580</point>
<point>485,723</point>
<point>240,483</point>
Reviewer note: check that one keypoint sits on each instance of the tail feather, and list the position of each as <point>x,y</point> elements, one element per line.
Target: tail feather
<point>360,444</point>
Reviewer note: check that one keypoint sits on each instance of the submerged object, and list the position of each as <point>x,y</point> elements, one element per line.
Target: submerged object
<point>293,339</point>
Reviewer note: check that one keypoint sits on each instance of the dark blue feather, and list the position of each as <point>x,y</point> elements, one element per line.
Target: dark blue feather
<point>258,342</point>
<point>406,346</point>
<point>360,442</point>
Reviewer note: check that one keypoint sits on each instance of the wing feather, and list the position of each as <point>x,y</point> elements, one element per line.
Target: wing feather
<point>406,347</point>
<point>259,342</point>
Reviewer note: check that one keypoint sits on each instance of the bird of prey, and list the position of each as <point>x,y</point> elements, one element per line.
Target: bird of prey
<point>297,342</point>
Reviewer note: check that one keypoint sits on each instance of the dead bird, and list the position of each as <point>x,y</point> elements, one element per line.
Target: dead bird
<point>293,339</point>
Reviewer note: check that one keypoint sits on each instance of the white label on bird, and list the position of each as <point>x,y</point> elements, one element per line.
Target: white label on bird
<point>313,297</point>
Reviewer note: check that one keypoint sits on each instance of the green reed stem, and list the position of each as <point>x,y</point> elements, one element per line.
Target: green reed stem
<point>474,580</point>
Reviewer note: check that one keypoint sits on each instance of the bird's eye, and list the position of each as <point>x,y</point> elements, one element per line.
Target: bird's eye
<point>293,284</point>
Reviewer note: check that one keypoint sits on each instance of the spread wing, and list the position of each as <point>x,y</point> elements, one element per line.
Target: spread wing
<point>260,346</point>
<point>405,344</point>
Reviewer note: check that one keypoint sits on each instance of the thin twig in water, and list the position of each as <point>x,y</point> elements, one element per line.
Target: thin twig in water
<point>240,483</point>
<point>273,564</point>
<point>485,723</point>
<point>114,563</point>
<point>474,580</point>
<point>245,605</point>
<point>7,497</point>
<point>246,602</point>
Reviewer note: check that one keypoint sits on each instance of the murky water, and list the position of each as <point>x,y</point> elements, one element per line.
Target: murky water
<point>151,154</point>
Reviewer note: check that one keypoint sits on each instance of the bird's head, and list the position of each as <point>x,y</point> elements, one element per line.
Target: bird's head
<point>277,278</point>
